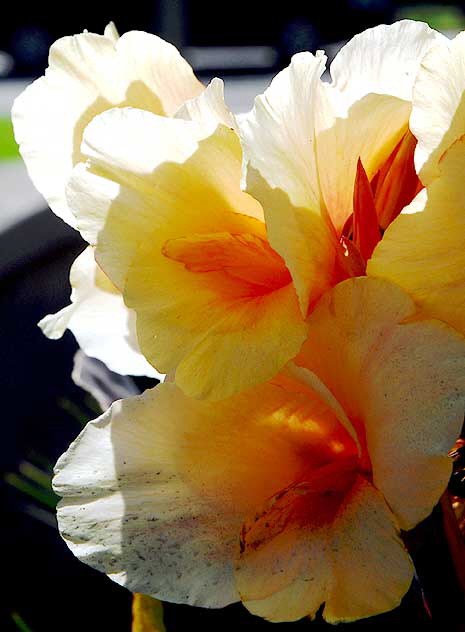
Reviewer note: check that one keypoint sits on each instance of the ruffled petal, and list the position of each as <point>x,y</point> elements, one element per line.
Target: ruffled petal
<point>88,74</point>
<point>281,172</point>
<point>156,490</point>
<point>422,250</point>
<point>119,194</point>
<point>382,60</point>
<point>304,548</point>
<point>368,131</point>
<point>438,112</point>
<point>279,134</point>
<point>400,383</point>
<point>223,332</point>
<point>209,108</point>
<point>103,326</point>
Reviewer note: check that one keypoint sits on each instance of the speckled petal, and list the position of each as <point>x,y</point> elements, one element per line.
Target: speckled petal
<point>402,384</point>
<point>156,490</point>
<point>349,557</point>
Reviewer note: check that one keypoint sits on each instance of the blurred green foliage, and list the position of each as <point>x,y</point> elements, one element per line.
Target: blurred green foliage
<point>441,18</point>
<point>20,623</point>
<point>8,146</point>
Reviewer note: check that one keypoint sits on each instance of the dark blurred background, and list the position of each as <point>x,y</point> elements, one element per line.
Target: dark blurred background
<point>45,588</point>
<point>212,34</point>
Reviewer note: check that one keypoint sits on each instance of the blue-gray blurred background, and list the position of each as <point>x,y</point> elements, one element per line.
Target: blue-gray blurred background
<point>245,43</point>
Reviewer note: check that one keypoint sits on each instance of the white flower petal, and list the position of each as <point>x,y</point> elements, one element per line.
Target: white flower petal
<point>209,108</point>
<point>130,510</point>
<point>382,60</point>
<point>279,136</point>
<point>111,31</point>
<point>156,490</point>
<point>438,112</point>
<point>88,74</point>
<point>103,326</point>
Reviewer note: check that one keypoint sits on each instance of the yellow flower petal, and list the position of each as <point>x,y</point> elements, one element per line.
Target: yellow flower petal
<point>342,549</point>
<point>128,186</point>
<point>224,329</point>
<point>423,249</point>
<point>180,498</point>
<point>401,385</point>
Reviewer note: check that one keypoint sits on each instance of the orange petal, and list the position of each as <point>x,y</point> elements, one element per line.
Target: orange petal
<point>366,230</point>
<point>349,262</point>
<point>245,258</point>
<point>397,182</point>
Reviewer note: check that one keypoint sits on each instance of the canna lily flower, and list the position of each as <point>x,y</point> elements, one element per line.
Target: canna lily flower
<point>424,248</point>
<point>160,201</point>
<point>333,163</point>
<point>213,289</point>
<point>88,74</point>
<point>291,494</point>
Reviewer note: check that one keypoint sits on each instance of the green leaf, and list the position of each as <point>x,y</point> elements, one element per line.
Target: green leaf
<point>20,623</point>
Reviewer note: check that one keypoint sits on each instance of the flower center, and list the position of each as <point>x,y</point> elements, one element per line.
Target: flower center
<point>376,203</point>
<point>242,265</point>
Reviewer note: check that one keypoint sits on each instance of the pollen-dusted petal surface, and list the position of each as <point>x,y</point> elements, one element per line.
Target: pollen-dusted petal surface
<point>186,246</point>
<point>401,385</point>
<point>103,326</point>
<point>156,490</point>
<point>305,548</point>
<point>88,74</point>
<point>438,112</point>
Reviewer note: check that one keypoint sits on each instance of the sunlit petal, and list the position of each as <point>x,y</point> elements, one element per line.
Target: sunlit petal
<point>103,326</point>
<point>400,383</point>
<point>88,74</point>
<point>438,113</point>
